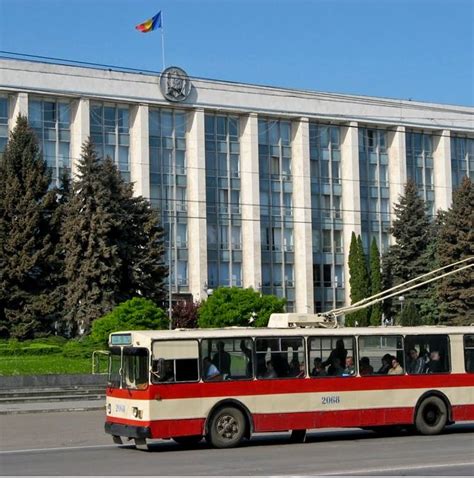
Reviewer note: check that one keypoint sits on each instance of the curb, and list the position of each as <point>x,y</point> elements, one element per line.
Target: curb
<point>53,410</point>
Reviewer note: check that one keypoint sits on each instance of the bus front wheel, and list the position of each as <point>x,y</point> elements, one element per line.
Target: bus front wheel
<point>431,416</point>
<point>226,428</point>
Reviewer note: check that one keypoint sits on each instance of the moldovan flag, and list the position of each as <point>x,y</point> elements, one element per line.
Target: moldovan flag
<point>151,24</point>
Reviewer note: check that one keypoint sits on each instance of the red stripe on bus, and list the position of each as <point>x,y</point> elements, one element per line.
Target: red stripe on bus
<point>288,386</point>
<point>273,422</point>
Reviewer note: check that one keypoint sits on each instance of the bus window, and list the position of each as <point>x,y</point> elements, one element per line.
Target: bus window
<point>115,364</point>
<point>175,361</point>
<point>433,350</point>
<point>232,358</point>
<point>377,352</point>
<point>469,353</point>
<point>280,357</point>
<point>135,368</point>
<point>331,356</point>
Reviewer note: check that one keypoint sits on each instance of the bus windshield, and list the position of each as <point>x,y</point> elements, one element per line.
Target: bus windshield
<point>128,368</point>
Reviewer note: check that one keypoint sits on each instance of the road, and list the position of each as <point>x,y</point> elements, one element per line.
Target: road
<point>74,443</point>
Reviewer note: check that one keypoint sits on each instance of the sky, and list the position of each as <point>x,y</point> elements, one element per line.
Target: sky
<point>408,49</point>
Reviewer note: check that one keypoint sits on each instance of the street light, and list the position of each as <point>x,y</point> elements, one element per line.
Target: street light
<point>401,299</point>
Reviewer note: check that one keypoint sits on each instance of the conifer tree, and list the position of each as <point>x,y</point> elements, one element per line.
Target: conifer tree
<point>456,242</point>
<point>359,281</point>
<point>26,244</point>
<point>375,282</point>
<point>113,244</point>
<point>409,258</point>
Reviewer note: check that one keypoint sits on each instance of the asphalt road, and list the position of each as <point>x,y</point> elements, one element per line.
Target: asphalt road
<point>74,443</point>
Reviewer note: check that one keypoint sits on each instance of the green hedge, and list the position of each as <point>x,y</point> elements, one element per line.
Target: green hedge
<point>32,349</point>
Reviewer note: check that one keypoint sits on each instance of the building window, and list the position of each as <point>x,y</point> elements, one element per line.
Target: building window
<point>419,157</point>
<point>374,187</point>
<point>168,187</point>
<point>50,119</point>
<point>462,159</point>
<point>223,200</point>
<point>3,123</point>
<point>110,125</point>
<point>276,208</point>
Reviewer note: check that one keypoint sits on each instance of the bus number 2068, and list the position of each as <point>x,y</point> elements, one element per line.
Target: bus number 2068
<point>330,400</point>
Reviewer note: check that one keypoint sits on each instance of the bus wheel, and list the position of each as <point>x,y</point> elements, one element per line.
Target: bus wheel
<point>117,440</point>
<point>298,436</point>
<point>227,427</point>
<point>432,416</point>
<point>189,440</point>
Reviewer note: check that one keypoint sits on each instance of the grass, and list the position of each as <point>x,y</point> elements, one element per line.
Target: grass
<point>43,364</point>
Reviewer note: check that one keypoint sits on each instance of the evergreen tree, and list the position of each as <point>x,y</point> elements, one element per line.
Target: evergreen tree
<point>112,241</point>
<point>375,283</point>
<point>359,281</point>
<point>456,242</point>
<point>409,258</point>
<point>26,244</point>
<point>409,315</point>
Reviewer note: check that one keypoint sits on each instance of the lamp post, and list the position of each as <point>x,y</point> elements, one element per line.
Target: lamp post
<point>401,299</point>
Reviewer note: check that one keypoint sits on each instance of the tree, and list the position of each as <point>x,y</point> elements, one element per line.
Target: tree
<point>375,282</point>
<point>134,314</point>
<point>112,241</point>
<point>233,306</point>
<point>409,257</point>
<point>409,315</point>
<point>26,210</point>
<point>185,315</point>
<point>456,242</point>
<point>358,281</point>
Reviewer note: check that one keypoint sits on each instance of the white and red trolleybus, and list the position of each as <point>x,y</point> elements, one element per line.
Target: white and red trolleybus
<point>228,384</point>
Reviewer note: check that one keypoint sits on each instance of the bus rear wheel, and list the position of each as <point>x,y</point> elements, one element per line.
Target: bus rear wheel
<point>188,440</point>
<point>431,416</point>
<point>226,428</point>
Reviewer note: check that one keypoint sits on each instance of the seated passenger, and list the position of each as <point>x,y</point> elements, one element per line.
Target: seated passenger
<point>221,359</point>
<point>364,367</point>
<point>210,371</point>
<point>335,369</point>
<point>270,371</point>
<point>302,371</point>
<point>415,363</point>
<point>318,369</point>
<point>350,369</point>
<point>294,368</point>
<point>396,368</point>
<point>339,352</point>
<point>386,364</point>
<point>435,365</point>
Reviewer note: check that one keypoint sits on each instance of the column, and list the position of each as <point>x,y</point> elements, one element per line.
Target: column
<point>443,182</point>
<point>397,166</point>
<point>250,200</point>
<point>304,295</point>
<point>196,194</point>
<point>18,105</point>
<point>350,193</point>
<point>140,151</point>
<point>80,130</point>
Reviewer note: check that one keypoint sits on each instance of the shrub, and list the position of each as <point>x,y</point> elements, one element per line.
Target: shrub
<point>134,314</point>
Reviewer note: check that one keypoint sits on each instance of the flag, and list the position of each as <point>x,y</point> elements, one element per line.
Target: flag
<point>151,24</point>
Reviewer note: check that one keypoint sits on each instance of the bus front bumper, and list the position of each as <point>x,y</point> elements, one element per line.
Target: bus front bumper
<point>129,431</point>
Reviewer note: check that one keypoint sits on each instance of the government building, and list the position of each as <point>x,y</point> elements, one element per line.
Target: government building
<point>256,186</point>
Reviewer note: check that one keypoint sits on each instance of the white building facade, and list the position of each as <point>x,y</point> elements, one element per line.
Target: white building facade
<point>256,186</point>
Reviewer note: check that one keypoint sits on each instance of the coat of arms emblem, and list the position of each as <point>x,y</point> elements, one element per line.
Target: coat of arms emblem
<point>175,84</point>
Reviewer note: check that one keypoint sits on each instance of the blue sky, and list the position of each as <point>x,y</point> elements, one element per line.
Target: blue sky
<point>418,49</point>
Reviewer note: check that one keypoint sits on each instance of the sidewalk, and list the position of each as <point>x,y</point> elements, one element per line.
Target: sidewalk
<point>52,406</point>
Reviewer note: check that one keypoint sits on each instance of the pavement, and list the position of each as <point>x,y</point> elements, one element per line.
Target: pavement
<point>52,406</point>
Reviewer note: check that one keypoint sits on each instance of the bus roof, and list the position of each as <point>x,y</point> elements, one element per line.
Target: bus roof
<point>145,337</point>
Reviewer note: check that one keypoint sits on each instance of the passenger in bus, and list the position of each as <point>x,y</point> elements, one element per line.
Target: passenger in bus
<point>318,369</point>
<point>270,371</point>
<point>364,366</point>
<point>221,359</point>
<point>386,365</point>
<point>335,369</point>
<point>435,365</point>
<point>294,367</point>
<point>350,369</point>
<point>248,354</point>
<point>167,372</point>
<point>415,363</point>
<point>302,372</point>
<point>210,371</point>
<point>396,368</point>
<point>339,352</point>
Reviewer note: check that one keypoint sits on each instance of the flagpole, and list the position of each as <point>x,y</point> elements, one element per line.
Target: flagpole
<point>162,43</point>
